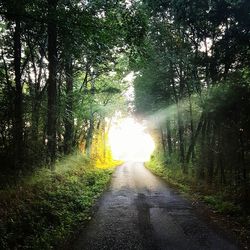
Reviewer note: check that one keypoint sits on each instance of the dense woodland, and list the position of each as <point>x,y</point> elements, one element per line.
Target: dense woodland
<point>62,70</point>
<point>193,84</point>
<point>62,65</point>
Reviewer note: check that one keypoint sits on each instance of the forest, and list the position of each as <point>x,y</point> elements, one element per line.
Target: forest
<point>61,65</point>
<point>62,70</point>
<point>194,86</point>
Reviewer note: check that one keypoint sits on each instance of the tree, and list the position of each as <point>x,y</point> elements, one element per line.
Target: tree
<point>195,62</point>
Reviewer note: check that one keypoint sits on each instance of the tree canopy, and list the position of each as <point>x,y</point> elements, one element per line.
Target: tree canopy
<point>62,69</point>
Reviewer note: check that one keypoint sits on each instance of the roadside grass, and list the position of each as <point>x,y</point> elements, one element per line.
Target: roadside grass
<point>172,173</point>
<point>44,208</point>
<point>224,208</point>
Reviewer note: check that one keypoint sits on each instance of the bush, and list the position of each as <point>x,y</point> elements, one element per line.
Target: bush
<point>170,170</point>
<point>172,173</point>
<point>224,207</point>
<point>45,208</point>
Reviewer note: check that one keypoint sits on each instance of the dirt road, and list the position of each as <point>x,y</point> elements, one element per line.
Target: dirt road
<point>139,211</point>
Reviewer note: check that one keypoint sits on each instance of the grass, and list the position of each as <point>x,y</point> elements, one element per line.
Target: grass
<point>224,208</point>
<point>221,206</point>
<point>172,173</point>
<point>45,208</point>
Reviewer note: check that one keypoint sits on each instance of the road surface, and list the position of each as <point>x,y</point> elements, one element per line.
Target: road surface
<point>139,211</point>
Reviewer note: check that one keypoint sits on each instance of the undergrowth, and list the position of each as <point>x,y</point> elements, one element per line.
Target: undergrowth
<point>223,202</point>
<point>171,171</point>
<point>44,208</point>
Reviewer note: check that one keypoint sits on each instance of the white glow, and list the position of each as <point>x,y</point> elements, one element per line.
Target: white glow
<point>129,77</point>
<point>129,141</point>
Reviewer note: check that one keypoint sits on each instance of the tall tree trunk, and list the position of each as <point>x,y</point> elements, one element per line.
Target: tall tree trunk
<point>90,135</point>
<point>181,139</point>
<point>211,134</point>
<point>201,169</point>
<point>104,140</point>
<point>52,82</point>
<point>18,104</point>
<point>91,124</point>
<point>194,139</point>
<point>191,122</point>
<point>163,143</point>
<point>69,119</point>
<point>169,139</point>
<point>242,161</point>
<point>35,119</point>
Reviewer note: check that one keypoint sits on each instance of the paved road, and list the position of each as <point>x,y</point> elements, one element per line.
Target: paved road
<point>140,212</point>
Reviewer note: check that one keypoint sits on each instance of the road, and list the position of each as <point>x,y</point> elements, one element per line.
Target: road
<point>139,211</point>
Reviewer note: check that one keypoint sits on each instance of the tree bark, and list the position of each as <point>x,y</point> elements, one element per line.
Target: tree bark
<point>52,81</point>
<point>69,119</point>
<point>163,140</point>
<point>210,172</point>
<point>181,139</point>
<point>201,170</point>
<point>91,123</point>
<point>90,135</point>
<point>35,119</point>
<point>194,139</point>
<point>18,102</point>
<point>169,140</point>
<point>191,122</point>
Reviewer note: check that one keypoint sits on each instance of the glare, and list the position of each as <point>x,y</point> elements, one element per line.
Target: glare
<point>129,77</point>
<point>129,141</point>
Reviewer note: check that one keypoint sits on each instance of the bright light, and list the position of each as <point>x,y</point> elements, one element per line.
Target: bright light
<point>129,141</point>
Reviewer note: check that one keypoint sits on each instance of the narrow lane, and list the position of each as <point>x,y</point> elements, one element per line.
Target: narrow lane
<point>139,211</point>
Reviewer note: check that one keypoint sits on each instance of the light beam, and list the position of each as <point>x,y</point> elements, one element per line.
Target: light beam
<point>129,141</point>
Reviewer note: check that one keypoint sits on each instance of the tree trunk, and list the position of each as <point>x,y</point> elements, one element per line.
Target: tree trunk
<point>201,171</point>
<point>210,174</point>
<point>52,82</point>
<point>91,124</point>
<point>163,140</point>
<point>35,119</point>
<point>193,140</point>
<point>69,119</point>
<point>104,140</point>
<point>18,103</point>
<point>169,140</point>
<point>191,122</point>
<point>181,139</point>
<point>89,136</point>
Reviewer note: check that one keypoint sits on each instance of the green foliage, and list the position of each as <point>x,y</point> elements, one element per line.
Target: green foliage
<point>228,97</point>
<point>193,88</point>
<point>225,207</point>
<point>47,206</point>
<point>92,41</point>
<point>170,170</point>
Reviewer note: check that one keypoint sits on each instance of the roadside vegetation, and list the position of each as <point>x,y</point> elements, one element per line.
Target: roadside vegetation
<point>193,87</point>
<point>221,205</point>
<point>62,65</point>
<point>221,201</point>
<point>43,209</point>
<point>62,71</point>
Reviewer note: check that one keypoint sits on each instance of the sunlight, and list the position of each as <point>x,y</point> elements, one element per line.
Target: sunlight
<point>129,141</point>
